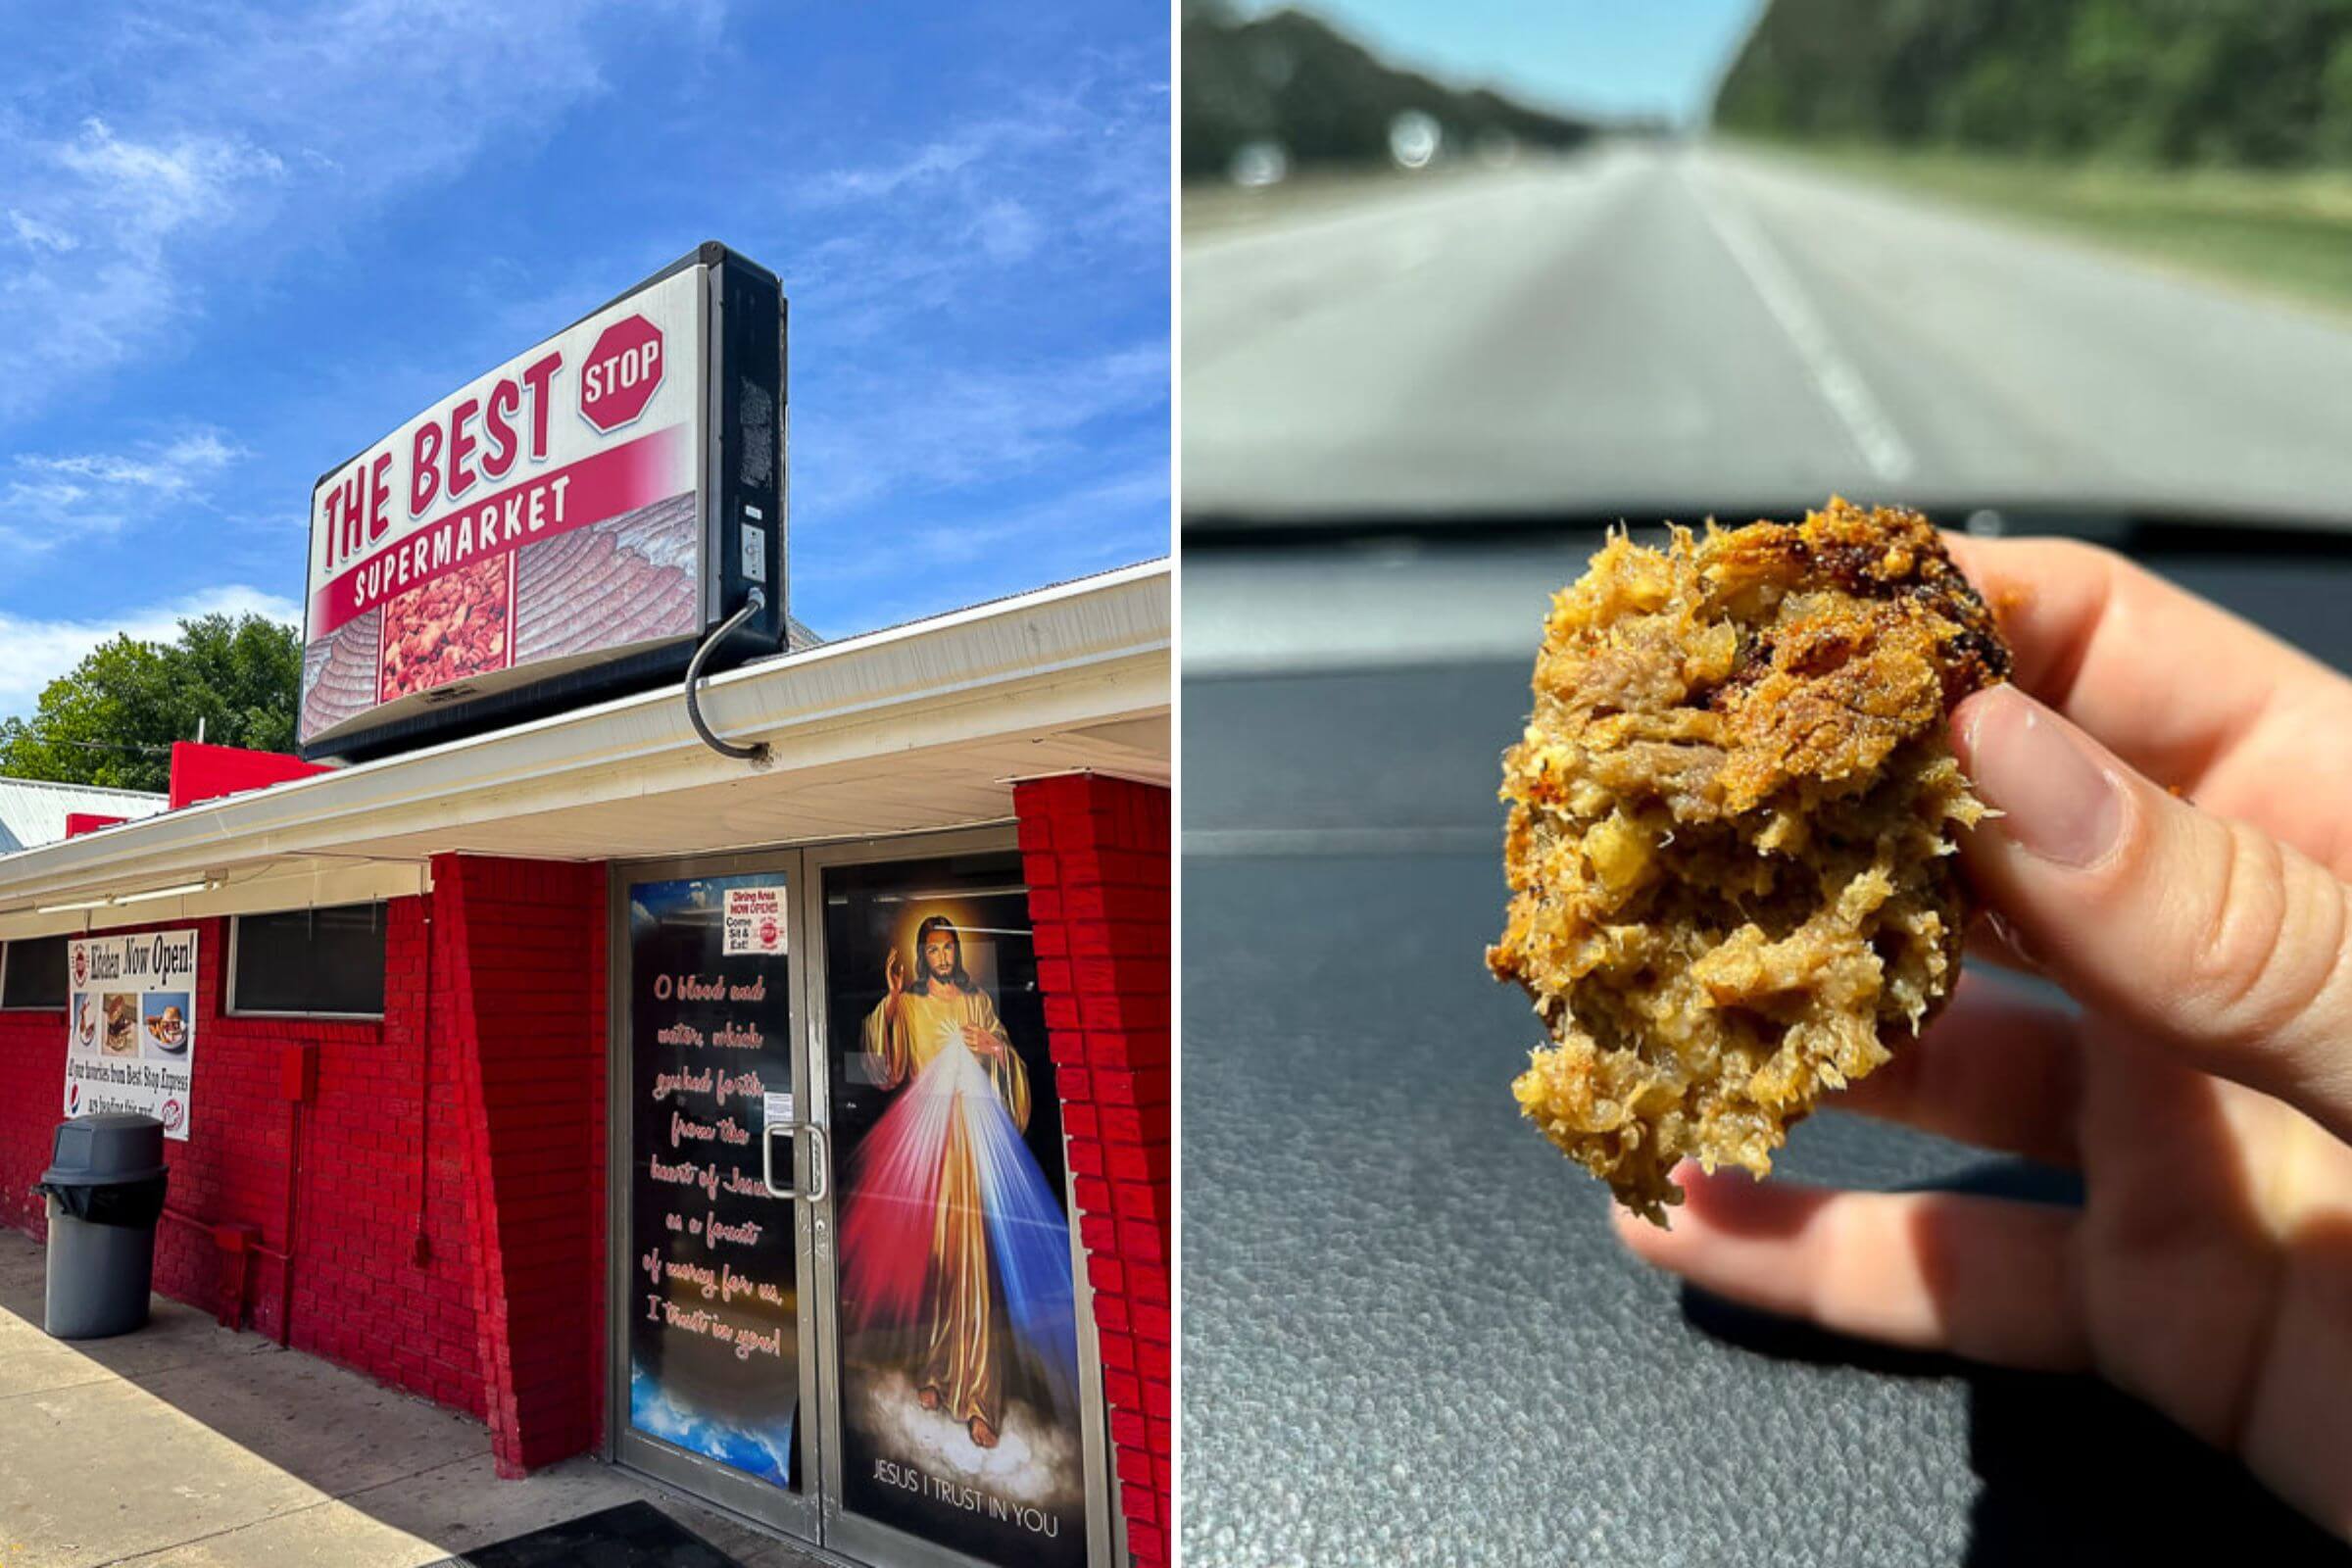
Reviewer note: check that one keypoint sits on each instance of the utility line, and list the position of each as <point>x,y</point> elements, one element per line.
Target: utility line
<point>93,746</point>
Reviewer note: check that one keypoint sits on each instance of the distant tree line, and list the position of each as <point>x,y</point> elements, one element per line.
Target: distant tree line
<point>2264,84</point>
<point>112,718</point>
<point>1292,81</point>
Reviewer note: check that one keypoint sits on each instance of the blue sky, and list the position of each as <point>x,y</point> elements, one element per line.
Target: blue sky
<point>1645,57</point>
<point>239,242</point>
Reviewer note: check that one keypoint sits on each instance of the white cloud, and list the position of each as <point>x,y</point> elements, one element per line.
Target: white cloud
<point>35,652</point>
<point>926,164</point>
<point>1006,230</point>
<point>157,188</point>
<point>1115,519</point>
<point>252,136</point>
<point>102,216</point>
<point>1034,1462</point>
<point>35,235</point>
<point>48,499</point>
<point>1072,180</point>
<point>957,427</point>
<point>170,469</point>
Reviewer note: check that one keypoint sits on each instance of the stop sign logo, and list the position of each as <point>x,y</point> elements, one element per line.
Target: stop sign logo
<point>622,373</point>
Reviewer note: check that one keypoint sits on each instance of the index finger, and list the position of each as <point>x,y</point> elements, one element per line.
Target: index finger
<point>2176,685</point>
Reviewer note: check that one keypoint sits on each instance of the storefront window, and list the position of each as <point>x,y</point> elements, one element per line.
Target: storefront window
<point>320,961</point>
<point>32,973</point>
<point>960,1415</point>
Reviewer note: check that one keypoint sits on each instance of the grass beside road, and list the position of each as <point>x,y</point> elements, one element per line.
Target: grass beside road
<point>1213,206</point>
<point>2283,233</point>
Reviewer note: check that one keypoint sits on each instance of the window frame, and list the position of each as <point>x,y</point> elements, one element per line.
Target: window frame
<point>10,946</point>
<point>236,929</point>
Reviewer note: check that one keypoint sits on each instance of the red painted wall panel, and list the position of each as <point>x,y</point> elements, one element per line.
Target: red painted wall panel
<point>449,1202</point>
<point>201,772</point>
<point>450,1232</point>
<point>360,1296</point>
<point>527,1007</point>
<point>1096,854</point>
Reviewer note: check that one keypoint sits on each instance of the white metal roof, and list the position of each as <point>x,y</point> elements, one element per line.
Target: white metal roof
<point>33,810</point>
<point>924,725</point>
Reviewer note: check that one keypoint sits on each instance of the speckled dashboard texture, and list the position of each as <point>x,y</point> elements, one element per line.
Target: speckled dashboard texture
<point>1409,1335</point>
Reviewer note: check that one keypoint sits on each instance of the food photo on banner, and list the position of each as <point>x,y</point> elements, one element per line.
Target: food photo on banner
<point>713,1338</point>
<point>961,1413</point>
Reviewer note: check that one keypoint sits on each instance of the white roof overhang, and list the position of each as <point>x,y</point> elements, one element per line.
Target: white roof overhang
<point>920,726</point>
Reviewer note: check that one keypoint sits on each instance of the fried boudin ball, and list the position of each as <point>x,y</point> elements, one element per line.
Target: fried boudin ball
<point>1731,834</point>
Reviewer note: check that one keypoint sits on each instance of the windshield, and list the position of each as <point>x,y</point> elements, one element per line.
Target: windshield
<point>1569,264</point>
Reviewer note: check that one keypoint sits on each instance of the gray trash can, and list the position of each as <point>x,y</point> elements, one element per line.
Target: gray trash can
<point>105,1185</point>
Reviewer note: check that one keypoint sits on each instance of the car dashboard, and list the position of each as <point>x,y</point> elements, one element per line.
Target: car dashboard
<point>1410,1335</point>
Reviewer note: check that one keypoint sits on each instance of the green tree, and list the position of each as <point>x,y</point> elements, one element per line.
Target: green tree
<point>112,721</point>
<point>2172,82</point>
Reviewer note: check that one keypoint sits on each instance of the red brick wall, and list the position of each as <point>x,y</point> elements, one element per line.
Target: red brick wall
<point>528,1015</point>
<point>495,1114</point>
<point>360,1296</point>
<point>489,1297</point>
<point>1096,855</point>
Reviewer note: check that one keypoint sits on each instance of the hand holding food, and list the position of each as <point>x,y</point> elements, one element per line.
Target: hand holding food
<point>2171,850</point>
<point>1732,819</point>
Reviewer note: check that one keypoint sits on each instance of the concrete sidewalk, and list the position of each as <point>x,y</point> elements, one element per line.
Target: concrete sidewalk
<point>187,1444</point>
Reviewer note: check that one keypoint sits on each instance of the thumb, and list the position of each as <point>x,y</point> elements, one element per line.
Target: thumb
<point>2206,934</point>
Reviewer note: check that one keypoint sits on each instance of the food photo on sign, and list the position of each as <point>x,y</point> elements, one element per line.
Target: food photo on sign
<point>960,1408</point>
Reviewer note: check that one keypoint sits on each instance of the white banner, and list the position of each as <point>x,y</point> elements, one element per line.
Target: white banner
<point>131,1026</point>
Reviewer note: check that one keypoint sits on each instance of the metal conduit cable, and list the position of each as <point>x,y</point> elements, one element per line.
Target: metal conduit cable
<point>756,752</point>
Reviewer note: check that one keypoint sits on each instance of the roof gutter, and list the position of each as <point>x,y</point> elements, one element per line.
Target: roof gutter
<point>639,744</point>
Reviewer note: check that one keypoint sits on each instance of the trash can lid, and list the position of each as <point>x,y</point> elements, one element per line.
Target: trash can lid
<point>113,1146</point>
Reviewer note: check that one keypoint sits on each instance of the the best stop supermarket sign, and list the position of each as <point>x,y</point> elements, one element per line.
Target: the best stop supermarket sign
<point>575,518</point>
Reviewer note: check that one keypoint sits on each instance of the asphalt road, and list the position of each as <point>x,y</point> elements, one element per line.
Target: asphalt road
<point>1660,330</point>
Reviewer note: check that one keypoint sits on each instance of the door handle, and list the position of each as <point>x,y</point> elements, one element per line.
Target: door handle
<point>820,1162</point>
<point>767,1158</point>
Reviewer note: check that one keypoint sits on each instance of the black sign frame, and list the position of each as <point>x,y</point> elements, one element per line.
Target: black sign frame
<point>745,496</point>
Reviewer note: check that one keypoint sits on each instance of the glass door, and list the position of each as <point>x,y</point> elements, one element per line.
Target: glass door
<point>846,1300</point>
<point>961,1424</point>
<point>715,1371</point>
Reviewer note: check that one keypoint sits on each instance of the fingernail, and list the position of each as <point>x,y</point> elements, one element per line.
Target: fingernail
<point>2012,939</point>
<point>2059,796</point>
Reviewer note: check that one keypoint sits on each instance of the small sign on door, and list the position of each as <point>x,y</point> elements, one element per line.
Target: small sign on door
<point>755,921</point>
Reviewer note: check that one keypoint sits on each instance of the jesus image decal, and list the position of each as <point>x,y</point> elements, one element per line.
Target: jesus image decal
<point>961,1391</point>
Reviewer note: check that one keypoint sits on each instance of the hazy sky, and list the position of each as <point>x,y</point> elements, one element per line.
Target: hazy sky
<point>1617,56</point>
<point>239,241</point>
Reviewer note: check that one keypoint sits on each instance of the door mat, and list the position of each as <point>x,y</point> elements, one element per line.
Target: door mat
<point>635,1535</point>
